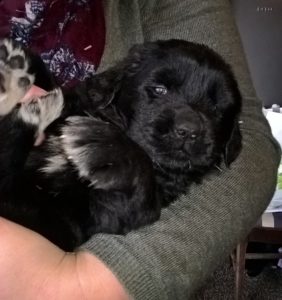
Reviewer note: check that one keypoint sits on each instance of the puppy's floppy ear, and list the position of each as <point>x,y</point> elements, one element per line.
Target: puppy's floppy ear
<point>233,145</point>
<point>103,87</point>
<point>139,53</point>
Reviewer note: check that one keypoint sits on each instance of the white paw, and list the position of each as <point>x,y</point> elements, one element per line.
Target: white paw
<point>43,111</point>
<point>56,161</point>
<point>75,146</point>
<point>14,77</point>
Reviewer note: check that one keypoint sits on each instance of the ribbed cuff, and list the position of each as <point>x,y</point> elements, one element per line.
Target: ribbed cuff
<point>131,272</point>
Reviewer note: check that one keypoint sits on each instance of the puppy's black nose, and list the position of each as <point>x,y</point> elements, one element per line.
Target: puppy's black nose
<point>185,131</point>
<point>187,124</point>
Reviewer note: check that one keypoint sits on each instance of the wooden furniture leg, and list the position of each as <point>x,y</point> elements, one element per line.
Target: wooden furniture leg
<point>240,268</point>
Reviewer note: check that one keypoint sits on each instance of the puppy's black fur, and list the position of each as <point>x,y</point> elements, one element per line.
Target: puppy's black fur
<point>126,142</point>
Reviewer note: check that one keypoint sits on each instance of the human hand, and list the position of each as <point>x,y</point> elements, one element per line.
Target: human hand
<point>31,267</point>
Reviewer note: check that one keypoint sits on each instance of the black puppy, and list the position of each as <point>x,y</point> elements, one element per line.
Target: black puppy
<point>120,145</point>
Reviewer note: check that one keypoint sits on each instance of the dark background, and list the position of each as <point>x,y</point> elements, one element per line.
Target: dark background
<point>260,26</point>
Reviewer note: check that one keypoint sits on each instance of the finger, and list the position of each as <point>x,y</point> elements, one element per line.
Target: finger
<point>33,92</point>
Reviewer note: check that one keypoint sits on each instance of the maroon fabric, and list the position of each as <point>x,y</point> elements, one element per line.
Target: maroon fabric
<point>68,34</point>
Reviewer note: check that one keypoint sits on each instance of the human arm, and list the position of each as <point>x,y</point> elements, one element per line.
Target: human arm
<point>33,268</point>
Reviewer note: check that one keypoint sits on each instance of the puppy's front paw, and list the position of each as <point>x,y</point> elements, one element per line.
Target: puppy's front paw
<point>95,148</point>
<point>79,140</point>
<point>14,77</point>
<point>42,111</point>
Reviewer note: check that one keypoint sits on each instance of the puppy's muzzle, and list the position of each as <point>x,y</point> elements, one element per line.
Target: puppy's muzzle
<point>188,124</point>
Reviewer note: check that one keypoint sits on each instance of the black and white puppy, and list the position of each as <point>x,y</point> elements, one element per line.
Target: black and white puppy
<point>119,146</point>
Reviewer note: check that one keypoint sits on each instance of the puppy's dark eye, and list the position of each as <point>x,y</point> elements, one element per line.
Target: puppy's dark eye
<point>159,90</point>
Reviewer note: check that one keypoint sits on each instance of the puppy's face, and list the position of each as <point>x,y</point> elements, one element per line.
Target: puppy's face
<point>182,104</point>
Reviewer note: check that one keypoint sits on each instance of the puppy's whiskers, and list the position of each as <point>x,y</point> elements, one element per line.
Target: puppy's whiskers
<point>189,164</point>
<point>158,165</point>
<point>217,167</point>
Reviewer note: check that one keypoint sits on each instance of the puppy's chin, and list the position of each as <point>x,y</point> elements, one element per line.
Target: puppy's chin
<point>192,161</point>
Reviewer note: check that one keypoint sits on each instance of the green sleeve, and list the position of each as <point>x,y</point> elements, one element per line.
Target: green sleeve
<point>171,258</point>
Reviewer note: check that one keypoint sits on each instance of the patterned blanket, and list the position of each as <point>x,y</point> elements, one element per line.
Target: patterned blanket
<point>69,35</point>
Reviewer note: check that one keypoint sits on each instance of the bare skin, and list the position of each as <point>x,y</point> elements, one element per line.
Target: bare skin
<point>34,268</point>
